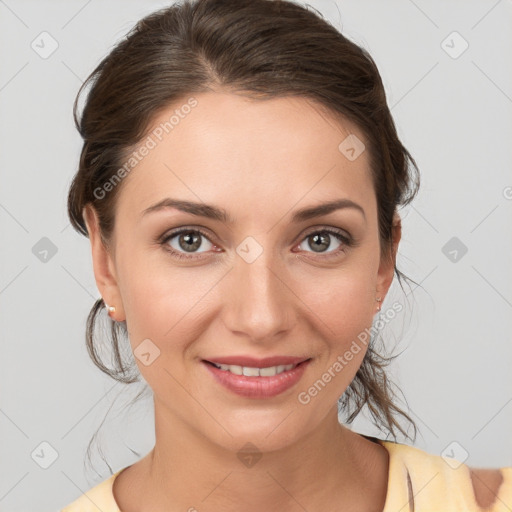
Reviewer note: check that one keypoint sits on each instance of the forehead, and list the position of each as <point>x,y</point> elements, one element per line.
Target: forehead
<point>251,154</point>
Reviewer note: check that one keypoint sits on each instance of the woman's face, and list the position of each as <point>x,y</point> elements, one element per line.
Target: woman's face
<point>265,282</point>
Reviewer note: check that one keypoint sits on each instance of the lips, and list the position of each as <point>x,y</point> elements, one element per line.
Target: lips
<point>257,378</point>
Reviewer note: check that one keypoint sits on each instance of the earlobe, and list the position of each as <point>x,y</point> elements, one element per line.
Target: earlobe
<point>103,265</point>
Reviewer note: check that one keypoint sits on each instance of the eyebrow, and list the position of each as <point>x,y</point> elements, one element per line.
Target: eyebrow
<point>216,213</point>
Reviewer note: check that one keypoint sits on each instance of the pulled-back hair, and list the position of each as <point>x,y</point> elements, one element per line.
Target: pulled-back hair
<point>261,49</point>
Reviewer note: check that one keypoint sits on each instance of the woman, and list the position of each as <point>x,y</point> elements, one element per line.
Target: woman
<point>239,183</point>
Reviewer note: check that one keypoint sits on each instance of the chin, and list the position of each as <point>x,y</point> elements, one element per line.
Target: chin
<point>267,430</point>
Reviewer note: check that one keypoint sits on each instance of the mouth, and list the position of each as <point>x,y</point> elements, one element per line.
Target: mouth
<point>253,378</point>
<point>253,371</point>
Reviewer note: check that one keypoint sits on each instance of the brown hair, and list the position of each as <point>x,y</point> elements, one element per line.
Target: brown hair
<point>262,49</point>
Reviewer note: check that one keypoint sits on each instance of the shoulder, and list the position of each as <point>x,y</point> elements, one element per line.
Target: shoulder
<point>436,482</point>
<point>99,497</point>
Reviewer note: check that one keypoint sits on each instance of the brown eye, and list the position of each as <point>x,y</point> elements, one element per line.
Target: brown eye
<point>190,241</point>
<point>321,240</point>
<point>187,240</point>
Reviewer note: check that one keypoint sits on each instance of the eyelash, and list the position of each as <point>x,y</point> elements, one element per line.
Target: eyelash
<point>347,241</point>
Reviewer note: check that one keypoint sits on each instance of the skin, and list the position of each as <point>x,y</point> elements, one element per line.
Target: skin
<point>261,161</point>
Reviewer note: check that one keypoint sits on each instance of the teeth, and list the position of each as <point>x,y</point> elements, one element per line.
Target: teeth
<point>237,370</point>
<point>255,372</point>
<point>268,372</point>
<point>250,372</point>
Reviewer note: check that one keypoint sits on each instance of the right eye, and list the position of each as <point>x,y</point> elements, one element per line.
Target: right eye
<point>185,242</point>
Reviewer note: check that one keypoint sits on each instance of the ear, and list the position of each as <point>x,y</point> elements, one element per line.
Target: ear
<point>103,264</point>
<point>387,266</point>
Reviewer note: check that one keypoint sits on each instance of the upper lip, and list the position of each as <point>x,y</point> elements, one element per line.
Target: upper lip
<point>253,362</point>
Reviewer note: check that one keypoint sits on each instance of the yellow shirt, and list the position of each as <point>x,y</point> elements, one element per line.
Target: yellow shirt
<point>418,481</point>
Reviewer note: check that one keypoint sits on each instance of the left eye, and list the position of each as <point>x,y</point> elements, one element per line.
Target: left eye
<point>319,240</point>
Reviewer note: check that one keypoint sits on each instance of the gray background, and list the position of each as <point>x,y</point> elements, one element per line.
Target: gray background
<point>453,114</point>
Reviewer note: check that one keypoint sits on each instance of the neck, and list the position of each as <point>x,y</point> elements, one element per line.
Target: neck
<point>329,466</point>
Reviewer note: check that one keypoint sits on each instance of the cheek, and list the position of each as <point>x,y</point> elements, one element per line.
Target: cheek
<point>163,302</point>
<point>344,297</point>
<point>344,302</point>
<point>342,311</point>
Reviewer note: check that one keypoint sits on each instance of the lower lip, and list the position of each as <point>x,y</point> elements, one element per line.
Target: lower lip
<point>258,387</point>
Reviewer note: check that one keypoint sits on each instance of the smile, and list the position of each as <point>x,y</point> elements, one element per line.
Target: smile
<point>270,371</point>
<point>257,382</point>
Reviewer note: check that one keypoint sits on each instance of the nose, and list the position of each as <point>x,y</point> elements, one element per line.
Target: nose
<point>259,300</point>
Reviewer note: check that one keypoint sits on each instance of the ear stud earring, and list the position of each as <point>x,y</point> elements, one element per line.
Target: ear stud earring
<point>378,305</point>
<point>110,309</point>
